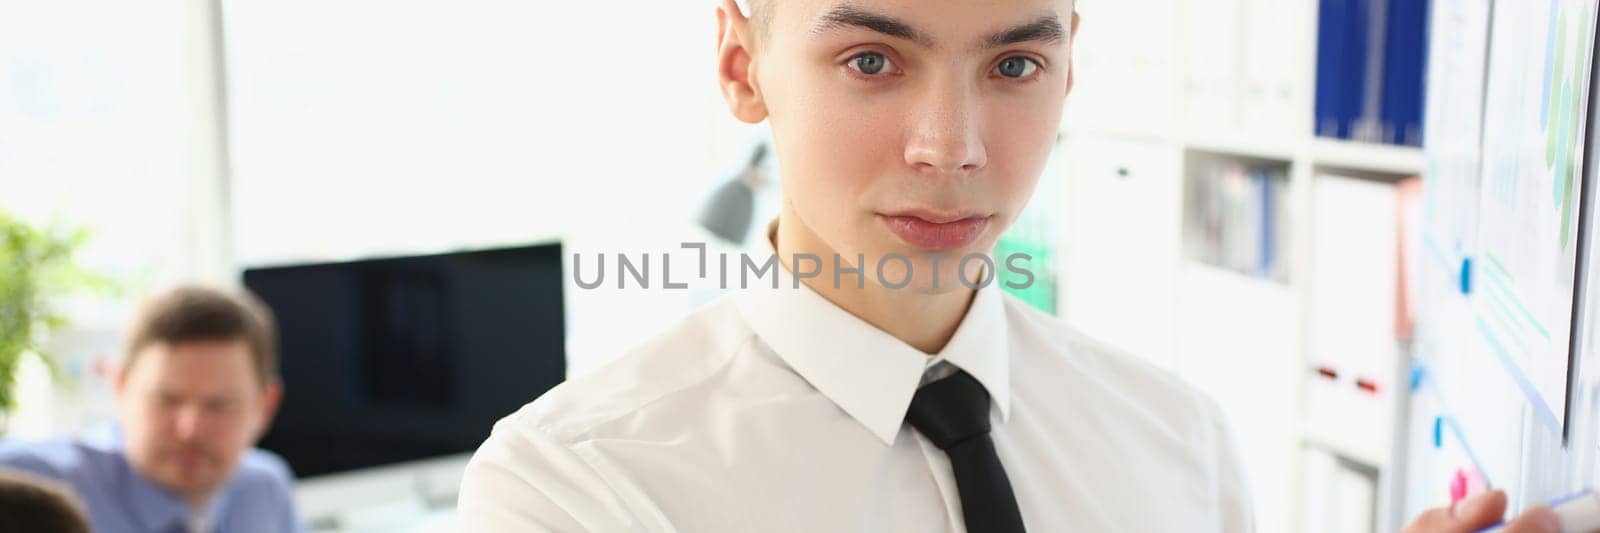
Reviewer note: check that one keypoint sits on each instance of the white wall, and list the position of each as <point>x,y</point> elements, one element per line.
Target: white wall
<point>97,131</point>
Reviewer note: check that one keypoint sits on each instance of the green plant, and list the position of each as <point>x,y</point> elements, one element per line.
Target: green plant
<point>36,266</point>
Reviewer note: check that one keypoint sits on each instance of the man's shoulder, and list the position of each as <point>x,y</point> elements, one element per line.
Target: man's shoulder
<point>56,458</point>
<point>1105,370</point>
<point>258,467</point>
<point>684,357</point>
<point>1159,429</point>
<point>64,458</point>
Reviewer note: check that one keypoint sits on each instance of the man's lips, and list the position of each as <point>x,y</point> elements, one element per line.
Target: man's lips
<point>190,457</point>
<point>937,231</point>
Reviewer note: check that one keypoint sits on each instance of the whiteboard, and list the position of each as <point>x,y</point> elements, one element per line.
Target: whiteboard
<point>1503,391</point>
<point>1527,239</point>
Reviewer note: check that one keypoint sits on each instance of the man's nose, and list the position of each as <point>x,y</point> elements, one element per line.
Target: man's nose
<point>946,138</point>
<point>189,422</point>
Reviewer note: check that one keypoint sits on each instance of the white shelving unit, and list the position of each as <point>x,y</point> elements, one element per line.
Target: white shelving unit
<point>1148,105</point>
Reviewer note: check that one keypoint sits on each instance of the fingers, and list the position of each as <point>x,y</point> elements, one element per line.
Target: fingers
<point>1481,510</point>
<point>1466,516</point>
<point>1436,520</point>
<point>1536,520</point>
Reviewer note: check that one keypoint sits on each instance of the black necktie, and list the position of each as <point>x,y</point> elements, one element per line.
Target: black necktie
<point>954,413</point>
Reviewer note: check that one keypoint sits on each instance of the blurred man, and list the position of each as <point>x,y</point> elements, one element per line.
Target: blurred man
<point>196,387</point>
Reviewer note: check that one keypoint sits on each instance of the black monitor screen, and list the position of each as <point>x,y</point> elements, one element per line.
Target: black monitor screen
<point>399,359</point>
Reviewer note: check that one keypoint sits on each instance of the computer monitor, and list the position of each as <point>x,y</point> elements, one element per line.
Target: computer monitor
<point>395,360</point>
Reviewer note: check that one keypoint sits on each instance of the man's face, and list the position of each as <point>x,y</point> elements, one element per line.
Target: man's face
<point>189,410</point>
<point>913,127</point>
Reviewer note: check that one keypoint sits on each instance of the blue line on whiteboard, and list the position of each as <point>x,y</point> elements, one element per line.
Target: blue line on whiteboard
<point>1461,277</point>
<point>1447,420</point>
<point>1438,253</point>
<point>1539,406</point>
<point>1500,283</point>
<point>1461,437</point>
<point>1501,311</point>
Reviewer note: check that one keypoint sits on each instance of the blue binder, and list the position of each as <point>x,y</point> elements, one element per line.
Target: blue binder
<point>1331,47</point>
<point>1342,28</point>
<point>1405,59</point>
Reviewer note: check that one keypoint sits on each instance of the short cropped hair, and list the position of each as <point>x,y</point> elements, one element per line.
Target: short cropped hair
<point>759,12</point>
<point>32,503</point>
<point>197,313</point>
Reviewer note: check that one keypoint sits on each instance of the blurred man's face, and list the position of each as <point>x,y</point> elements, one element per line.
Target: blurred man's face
<point>913,127</point>
<point>189,411</point>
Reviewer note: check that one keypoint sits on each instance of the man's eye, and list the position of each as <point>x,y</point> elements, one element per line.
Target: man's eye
<point>871,63</point>
<point>1016,67</point>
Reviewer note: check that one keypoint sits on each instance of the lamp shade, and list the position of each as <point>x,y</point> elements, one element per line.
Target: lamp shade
<point>727,213</point>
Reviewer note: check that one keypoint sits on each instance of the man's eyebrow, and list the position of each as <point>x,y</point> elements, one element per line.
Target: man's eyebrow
<point>846,15</point>
<point>1046,29</point>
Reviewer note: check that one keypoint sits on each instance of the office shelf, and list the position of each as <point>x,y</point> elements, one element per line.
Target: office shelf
<point>1402,161</point>
<point>1194,85</point>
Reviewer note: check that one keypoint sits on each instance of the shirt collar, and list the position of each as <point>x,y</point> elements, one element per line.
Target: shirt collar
<point>866,372</point>
<point>156,508</point>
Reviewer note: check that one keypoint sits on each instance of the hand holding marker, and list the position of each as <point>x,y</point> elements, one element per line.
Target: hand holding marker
<point>1482,513</point>
<point>1578,513</point>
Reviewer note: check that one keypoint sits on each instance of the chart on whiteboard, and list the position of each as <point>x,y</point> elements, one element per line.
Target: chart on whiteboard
<point>1534,103</point>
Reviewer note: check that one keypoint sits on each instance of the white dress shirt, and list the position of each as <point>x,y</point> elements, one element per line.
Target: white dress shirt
<point>776,410</point>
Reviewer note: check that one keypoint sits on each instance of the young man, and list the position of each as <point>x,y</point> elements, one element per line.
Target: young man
<point>903,129</point>
<point>884,383</point>
<point>196,387</point>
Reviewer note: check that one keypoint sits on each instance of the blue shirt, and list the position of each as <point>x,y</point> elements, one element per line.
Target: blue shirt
<point>257,499</point>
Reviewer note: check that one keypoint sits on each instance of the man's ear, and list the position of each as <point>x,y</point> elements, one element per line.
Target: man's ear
<point>271,397</point>
<point>1072,50</point>
<point>114,371</point>
<point>107,369</point>
<point>734,61</point>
